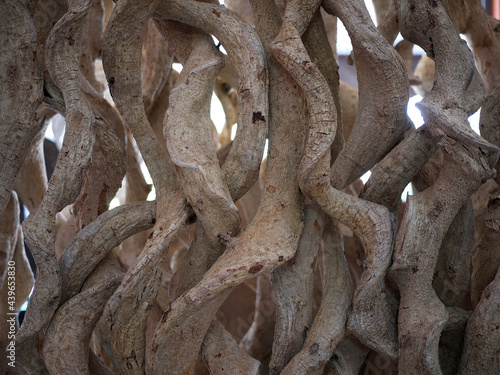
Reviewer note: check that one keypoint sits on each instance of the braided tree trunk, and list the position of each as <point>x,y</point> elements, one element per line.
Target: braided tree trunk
<point>243,266</point>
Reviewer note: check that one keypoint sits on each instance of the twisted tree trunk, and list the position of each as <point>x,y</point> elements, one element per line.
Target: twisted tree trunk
<point>287,265</point>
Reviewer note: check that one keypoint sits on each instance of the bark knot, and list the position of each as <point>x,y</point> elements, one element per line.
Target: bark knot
<point>313,348</point>
<point>258,116</point>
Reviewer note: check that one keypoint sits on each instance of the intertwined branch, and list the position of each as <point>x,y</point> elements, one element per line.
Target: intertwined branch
<point>287,266</point>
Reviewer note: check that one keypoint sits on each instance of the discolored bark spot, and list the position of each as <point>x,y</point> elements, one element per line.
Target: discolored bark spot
<point>255,268</point>
<point>271,189</point>
<point>317,225</point>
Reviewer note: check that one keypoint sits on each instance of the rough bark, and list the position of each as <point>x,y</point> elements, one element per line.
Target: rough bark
<point>258,340</point>
<point>293,289</point>
<point>481,350</point>
<point>257,250</point>
<point>21,79</point>
<point>94,242</point>
<point>140,285</point>
<point>328,329</point>
<point>314,182</point>
<point>485,258</point>
<point>62,61</point>
<point>380,121</point>
<point>66,344</point>
<point>361,280</point>
<point>31,182</point>
<point>348,358</point>
<point>222,355</point>
<point>45,15</point>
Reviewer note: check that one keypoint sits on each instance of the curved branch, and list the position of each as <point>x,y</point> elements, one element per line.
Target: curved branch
<point>63,47</point>
<point>370,222</point>
<point>293,289</point>
<point>91,244</point>
<point>266,243</point>
<point>392,174</point>
<point>348,358</point>
<point>482,32</point>
<point>187,130</point>
<point>480,354</point>
<point>31,182</point>
<point>328,328</point>
<point>241,168</point>
<point>125,316</point>
<point>9,226</point>
<point>45,15</point>
<point>92,44</point>
<point>381,120</point>
<point>66,345</point>
<point>452,275</point>
<point>258,340</point>
<point>156,66</point>
<point>422,315</point>
<point>456,93</point>
<point>21,79</point>
<point>458,90</point>
<point>222,355</point>
<point>122,53</point>
<point>485,257</point>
